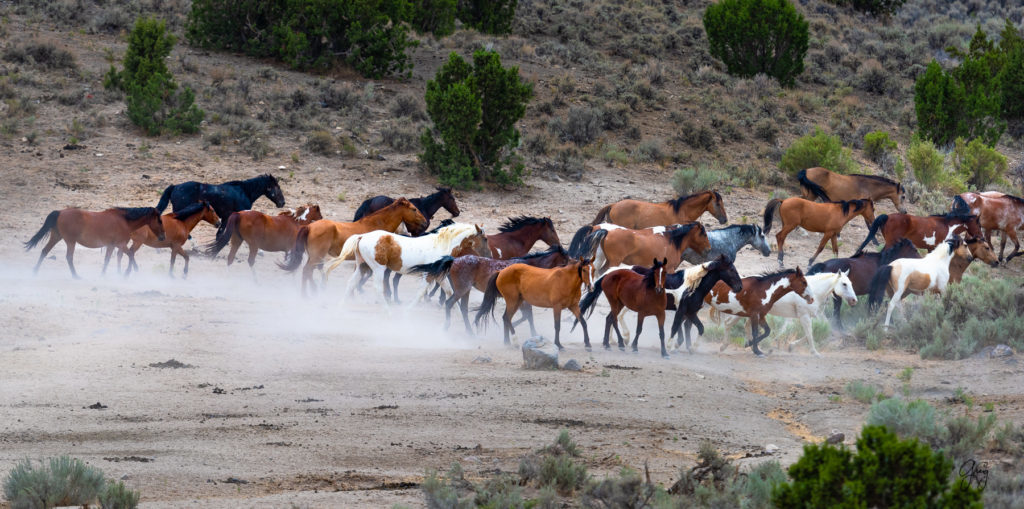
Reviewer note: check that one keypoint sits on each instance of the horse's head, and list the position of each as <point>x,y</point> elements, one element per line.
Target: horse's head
<point>478,242</point>
<point>798,283</point>
<point>155,223</point>
<point>901,198</point>
<point>658,275</point>
<point>700,241</point>
<point>210,215</point>
<point>727,273</point>
<point>959,248</point>
<point>585,270</point>
<point>448,201</point>
<point>312,213</point>
<point>981,250</point>
<point>717,207</point>
<point>411,216</point>
<point>843,288</point>
<point>273,190</point>
<point>548,233</point>
<point>760,242</point>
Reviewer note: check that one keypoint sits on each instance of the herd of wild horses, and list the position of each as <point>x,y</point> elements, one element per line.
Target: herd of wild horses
<point>630,253</point>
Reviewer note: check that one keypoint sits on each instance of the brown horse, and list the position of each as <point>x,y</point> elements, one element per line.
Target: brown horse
<point>758,296</point>
<point>327,237</point>
<point>829,186</point>
<point>518,235</point>
<point>111,229</point>
<point>997,211</point>
<point>459,275</point>
<point>980,249</point>
<point>557,288</point>
<point>177,227</point>
<point>826,218</point>
<point>262,231</point>
<point>643,293</point>
<point>925,232</point>
<point>637,214</point>
<point>625,246</point>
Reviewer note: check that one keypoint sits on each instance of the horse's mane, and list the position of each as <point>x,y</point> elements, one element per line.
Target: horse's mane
<point>878,178</point>
<point>745,228</point>
<point>450,233</point>
<point>846,204</point>
<point>676,236</point>
<point>515,223</point>
<point>256,183</point>
<point>955,215</point>
<point>538,254</point>
<point>693,275</point>
<point>133,213</point>
<point>189,211</point>
<point>678,202</point>
<point>444,224</point>
<point>888,255</point>
<point>1019,200</point>
<point>774,276</point>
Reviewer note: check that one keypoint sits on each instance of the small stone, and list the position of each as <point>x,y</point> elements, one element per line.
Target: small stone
<point>1001,351</point>
<point>771,448</point>
<point>538,353</point>
<point>572,365</point>
<point>836,437</point>
<point>482,359</point>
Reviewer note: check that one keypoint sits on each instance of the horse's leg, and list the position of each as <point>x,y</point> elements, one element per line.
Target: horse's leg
<point>694,320</point>
<point>70,257</point>
<point>661,333</point>
<point>608,322</point>
<point>1016,244</point>
<point>893,301</point>
<point>622,323</point>
<point>353,280</point>
<point>464,307</point>
<point>837,306</point>
<point>380,283</point>
<point>106,259</point>
<point>510,310</point>
<point>120,254</point>
<point>394,281</point>
<point>527,310</point>
<point>575,310</point>
<point>835,247</point>
<point>805,321</point>
<point>54,239</point>
<point>780,240</point>
<point>307,277</point>
<point>821,245</point>
<point>558,325</point>
<point>185,257</point>
<point>727,323</point>
<point>754,320</point>
<point>253,251</point>
<point>639,327</point>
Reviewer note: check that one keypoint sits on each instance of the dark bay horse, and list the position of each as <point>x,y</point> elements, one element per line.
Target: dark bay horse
<point>427,205</point>
<point>829,186</point>
<point>262,231</point>
<point>720,270</point>
<point>518,235</point>
<point>825,218</point>
<point>111,228</point>
<point>727,241</point>
<point>638,214</point>
<point>177,227</point>
<point>225,198</point>
<point>925,232</point>
<point>643,293</point>
<point>996,211</point>
<point>459,275</point>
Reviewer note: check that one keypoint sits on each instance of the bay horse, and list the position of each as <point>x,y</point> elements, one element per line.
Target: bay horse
<point>980,249</point>
<point>715,272</point>
<point>226,198</point>
<point>381,250</point>
<point>457,276</point>
<point>263,231</point>
<point>626,289</point>
<point>727,241</point>
<point>925,232</point>
<point>635,247</point>
<point>861,268</point>
<point>905,276</point>
<point>325,237</point>
<point>757,297</point>
<point>638,214</point>
<point>177,227</point>
<point>829,186</point>
<point>997,211</point>
<point>427,205</point>
<point>556,288</point>
<point>677,285</point>
<point>111,228</point>
<point>518,235</point>
<point>825,218</point>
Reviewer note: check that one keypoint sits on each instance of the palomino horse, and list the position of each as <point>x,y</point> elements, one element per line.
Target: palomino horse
<point>860,268</point>
<point>226,198</point>
<point>727,241</point>
<point>263,231</point>
<point>635,247</point>
<point>177,227</point>
<point>924,232</point>
<point>829,186</point>
<point>997,211</point>
<point>458,275</point>
<point>643,293</point>
<point>558,288</point>
<point>826,218</point>
<point>758,296</point>
<point>427,205</point>
<point>719,270</point>
<point>906,276</point>
<point>637,214</point>
<point>380,250</point>
<point>327,237</point>
<point>518,235</point>
<point>821,286</point>
<point>111,229</point>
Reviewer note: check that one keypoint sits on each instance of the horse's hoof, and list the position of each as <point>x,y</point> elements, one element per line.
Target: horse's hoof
<point>690,351</point>
<point>635,351</point>
<point>818,355</point>
<point>622,349</point>
<point>587,348</point>
<point>665,356</point>
<point>760,354</point>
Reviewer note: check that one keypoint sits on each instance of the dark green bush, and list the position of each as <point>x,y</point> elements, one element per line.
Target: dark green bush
<point>818,149</point>
<point>488,16</point>
<point>474,109</point>
<point>758,36</point>
<point>434,16</point>
<point>118,496</point>
<point>877,144</point>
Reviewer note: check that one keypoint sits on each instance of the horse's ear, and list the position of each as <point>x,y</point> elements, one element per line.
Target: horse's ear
<point>664,261</point>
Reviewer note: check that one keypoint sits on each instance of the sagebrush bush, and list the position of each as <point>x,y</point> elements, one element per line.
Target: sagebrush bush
<point>401,138</point>
<point>581,126</point>
<point>977,164</point>
<point>877,144</point>
<point>929,166</point>
<point>957,436</point>
<point>118,496</point>
<point>686,181</point>
<point>864,392</point>
<point>758,36</point>
<point>873,7</point>
<point>818,149</point>
<point>649,151</point>
<point>320,142</point>
<point>60,481</point>
<point>40,54</point>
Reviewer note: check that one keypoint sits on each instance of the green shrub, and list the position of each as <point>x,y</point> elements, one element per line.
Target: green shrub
<point>154,102</point>
<point>928,166</point>
<point>818,149</point>
<point>118,496</point>
<point>474,109</point>
<point>877,144</point>
<point>488,16</point>
<point>885,472</point>
<point>649,151</point>
<point>433,16</point>
<point>863,392</point>
<point>959,437</point>
<point>873,7</point>
<point>61,481</point>
<point>687,181</point>
<point>443,492</point>
<point>977,164</point>
<point>400,138</point>
<point>320,142</point>
<point>758,36</point>
<point>44,55</point>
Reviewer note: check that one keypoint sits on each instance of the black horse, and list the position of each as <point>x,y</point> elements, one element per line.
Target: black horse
<point>225,198</point>
<point>428,205</point>
<point>721,269</point>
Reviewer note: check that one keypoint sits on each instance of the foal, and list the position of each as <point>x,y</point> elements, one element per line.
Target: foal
<point>177,227</point>
<point>262,231</point>
<point>644,294</point>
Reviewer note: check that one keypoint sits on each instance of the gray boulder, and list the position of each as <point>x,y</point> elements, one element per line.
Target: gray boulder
<point>539,353</point>
<point>572,365</point>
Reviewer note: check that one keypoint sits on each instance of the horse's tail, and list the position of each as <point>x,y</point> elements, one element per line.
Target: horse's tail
<point>434,271</point>
<point>165,199</point>
<point>811,186</point>
<point>588,301</point>
<point>578,239</point>
<point>490,295</point>
<point>602,214</point>
<point>591,242</point>
<point>224,235</point>
<point>49,225</point>
<point>293,258</point>
<point>364,209</point>
<point>348,250</point>
<point>879,284</point>
<point>769,214</point>
<point>878,224</point>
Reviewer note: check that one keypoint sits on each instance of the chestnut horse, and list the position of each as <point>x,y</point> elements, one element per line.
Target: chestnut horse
<point>980,250</point>
<point>427,205</point>
<point>757,297</point>
<point>830,186</point>
<point>111,228</point>
<point>997,211</point>
<point>518,235</point>
<point>643,293</point>
<point>638,214</point>
<point>263,231</point>
<point>636,247</point>
<point>925,232</point>
<point>558,288</point>
<point>906,276</point>
<point>327,237</point>
<point>826,218</point>
<point>177,227</point>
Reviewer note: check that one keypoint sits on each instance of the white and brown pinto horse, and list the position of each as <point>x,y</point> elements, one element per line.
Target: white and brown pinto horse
<point>916,275</point>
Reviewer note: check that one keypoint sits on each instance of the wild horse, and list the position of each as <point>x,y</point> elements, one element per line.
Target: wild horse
<point>517,236</point>
<point>826,218</point>
<point>263,231</point>
<point>225,198</point>
<point>638,214</point>
<point>643,293</point>
<point>427,205</point>
<point>177,227</point>
<point>829,186</point>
